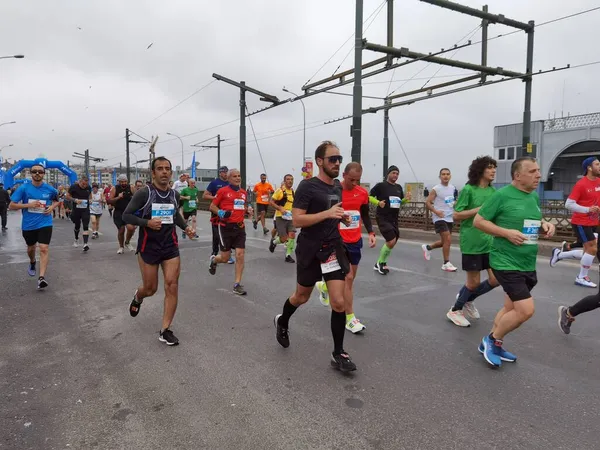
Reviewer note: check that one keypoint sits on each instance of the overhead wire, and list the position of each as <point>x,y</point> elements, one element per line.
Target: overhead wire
<point>256,141</point>
<point>404,152</point>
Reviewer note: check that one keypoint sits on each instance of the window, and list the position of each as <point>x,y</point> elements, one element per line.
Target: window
<point>510,153</point>
<point>209,179</point>
<point>501,153</point>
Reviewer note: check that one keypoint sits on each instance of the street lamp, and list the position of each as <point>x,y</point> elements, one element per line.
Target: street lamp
<point>304,114</point>
<point>7,123</point>
<point>9,145</point>
<point>180,140</point>
<point>136,168</point>
<point>12,56</point>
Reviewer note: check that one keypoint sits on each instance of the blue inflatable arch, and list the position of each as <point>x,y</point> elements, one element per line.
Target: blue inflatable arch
<point>9,176</point>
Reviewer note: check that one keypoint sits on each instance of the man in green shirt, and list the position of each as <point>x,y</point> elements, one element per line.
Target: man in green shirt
<point>513,216</point>
<point>474,244</point>
<point>189,196</point>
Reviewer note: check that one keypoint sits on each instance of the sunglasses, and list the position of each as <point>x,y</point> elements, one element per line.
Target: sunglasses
<point>38,172</point>
<point>335,158</point>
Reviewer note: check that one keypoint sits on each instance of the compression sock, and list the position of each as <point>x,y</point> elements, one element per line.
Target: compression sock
<point>76,234</point>
<point>586,261</point>
<point>338,328</point>
<point>288,310</point>
<point>483,288</point>
<point>291,246</point>
<point>463,297</point>
<point>349,317</point>
<point>384,253</point>
<point>571,254</point>
<point>85,238</point>
<point>277,241</point>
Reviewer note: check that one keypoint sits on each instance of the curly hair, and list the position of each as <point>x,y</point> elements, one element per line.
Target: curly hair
<point>478,166</point>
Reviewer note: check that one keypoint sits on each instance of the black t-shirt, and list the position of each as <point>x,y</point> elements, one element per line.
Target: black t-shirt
<point>390,193</point>
<point>79,193</point>
<point>315,196</point>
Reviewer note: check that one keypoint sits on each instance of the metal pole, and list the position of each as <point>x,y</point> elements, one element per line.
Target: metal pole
<point>218,151</point>
<point>87,162</point>
<point>357,91</point>
<point>127,153</point>
<point>528,85</point>
<point>303,134</point>
<point>390,29</point>
<point>243,133</point>
<point>484,43</point>
<point>386,141</point>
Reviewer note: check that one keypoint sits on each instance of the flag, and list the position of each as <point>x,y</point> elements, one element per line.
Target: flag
<point>99,177</point>
<point>114,177</point>
<point>194,166</point>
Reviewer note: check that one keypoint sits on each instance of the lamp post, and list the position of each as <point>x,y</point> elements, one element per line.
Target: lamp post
<point>12,56</point>
<point>304,133</point>
<point>136,168</point>
<point>7,123</point>
<point>180,140</point>
<point>3,147</point>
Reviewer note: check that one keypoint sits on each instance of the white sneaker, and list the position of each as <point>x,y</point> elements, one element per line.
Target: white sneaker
<point>76,244</point>
<point>130,247</point>
<point>586,282</point>
<point>354,326</point>
<point>449,267</point>
<point>426,253</point>
<point>555,253</point>
<point>458,318</point>
<point>120,251</point>
<point>470,311</point>
<point>323,294</point>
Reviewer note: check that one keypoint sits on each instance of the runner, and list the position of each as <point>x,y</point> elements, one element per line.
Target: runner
<point>62,196</point>
<point>107,191</point>
<point>388,196</point>
<point>36,200</point>
<point>441,203</point>
<point>210,194</point>
<point>513,216</point>
<point>282,200</point>
<point>120,196</point>
<point>181,183</point>
<point>189,197</point>
<point>4,202</point>
<point>474,245</point>
<point>584,203</point>
<point>320,253</point>
<point>68,204</point>
<point>80,194</point>
<point>355,201</point>
<point>96,209</point>
<point>262,190</point>
<point>154,210</point>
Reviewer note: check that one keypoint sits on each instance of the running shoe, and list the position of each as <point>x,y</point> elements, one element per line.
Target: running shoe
<point>586,282</point>
<point>168,337</point>
<point>490,351</point>
<point>255,224</point>
<point>31,270</point>
<point>94,235</point>
<point>239,289</point>
<point>120,251</point>
<point>42,283</point>
<point>231,260</point>
<point>129,247</point>
<point>76,243</point>
<point>196,236</point>
<point>449,267</point>
<point>272,245</point>
<point>564,319</point>
<point>289,259</point>
<point>504,355</point>
<point>565,247</point>
<point>555,253</point>
<point>282,334</point>
<point>265,231</point>
<point>458,318</point>
<point>212,267</point>
<point>355,326</point>
<point>426,252</point>
<point>86,247</point>
<point>386,268</point>
<point>182,235</point>
<point>379,268</point>
<point>342,362</point>
<point>323,294</point>
<point>470,311</point>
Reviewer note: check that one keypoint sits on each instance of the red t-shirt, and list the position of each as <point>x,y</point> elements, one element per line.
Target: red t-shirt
<point>586,193</point>
<point>229,199</point>
<point>352,200</point>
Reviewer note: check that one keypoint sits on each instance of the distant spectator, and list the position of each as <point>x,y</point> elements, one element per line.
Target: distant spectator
<point>426,192</point>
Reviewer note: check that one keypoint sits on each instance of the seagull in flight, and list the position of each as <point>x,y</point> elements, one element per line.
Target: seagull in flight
<point>150,45</point>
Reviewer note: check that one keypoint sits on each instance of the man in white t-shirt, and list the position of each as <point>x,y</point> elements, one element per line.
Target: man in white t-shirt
<point>181,184</point>
<point>440,202</point>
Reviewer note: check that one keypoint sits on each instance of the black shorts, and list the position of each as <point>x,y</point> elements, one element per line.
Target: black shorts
<point>188,214</point>
<point>154,258</point>
<point>261,207</point>
<point>232,236</point>
<point>353,251</point>
<point>154,252</point>
<point>309,258</point>
<point>40,236</point>
<point>517,285</point>
<point>441,226</point>
<point>475,263</point>
<point>585,233</point>
<point>388,229</point>
<point>118,218</point>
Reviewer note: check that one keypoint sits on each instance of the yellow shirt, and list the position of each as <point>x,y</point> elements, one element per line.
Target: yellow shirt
<point>278,195</point>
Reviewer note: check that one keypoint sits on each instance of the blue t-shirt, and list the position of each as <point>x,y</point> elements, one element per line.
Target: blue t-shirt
<point>34,218</point>
<point>215,185</point>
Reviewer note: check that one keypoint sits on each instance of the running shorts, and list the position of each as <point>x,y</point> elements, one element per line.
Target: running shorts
<point>284,227</point>
<point>441,226</point>
<point>585,233</point>
<point>475,263</point>
<point>353,251</point>
<point>188,214</point>
<point>81,217</point>
<point>261,207</point>
<point>232,236</point>
<point>40,236</point>
<point>118,218</point>
<point>310,255</point>
<point>388,229</point>
<point>517,285</point>
<point>154,252</point>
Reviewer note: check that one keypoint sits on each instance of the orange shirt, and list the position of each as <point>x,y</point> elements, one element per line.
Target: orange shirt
<point>262,191</point>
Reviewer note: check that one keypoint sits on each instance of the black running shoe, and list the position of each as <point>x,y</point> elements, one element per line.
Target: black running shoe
<point>342,362</point>
<point>282,334</point>
<point>289,259</point>
<point>379,268</point>
<point>272,245</point>
<point>265,231</point>
<point>239,289</point>
<point>86,248</point>
<point>255,224</point>
<point>168,337</point>
<point>564,319</point>
<point>42,283</point>
<point>212,268</point>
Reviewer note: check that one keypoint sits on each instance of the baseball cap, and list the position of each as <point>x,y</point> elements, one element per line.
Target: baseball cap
<point>122,177</point>
<point>223,169</point>
<point>588,162</point>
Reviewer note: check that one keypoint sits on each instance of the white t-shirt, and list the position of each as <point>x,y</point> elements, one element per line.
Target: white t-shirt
<point>444,201</point>
<point>180,185</point>
<point>95,205</point>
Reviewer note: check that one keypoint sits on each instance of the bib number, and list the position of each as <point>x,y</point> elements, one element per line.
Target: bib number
<point>95,204</point>
<point>449,201</point>
<point>82,205</point>
<point>287,215</point>
<point>531,229</point>
<point>192,203</point>
<point>355,220</point>
<point>39,210</point>
<point>164,211</point>
<point>264,198</point>
<point>239,204</point>
<point>395,202</point>
<point>331,265</point>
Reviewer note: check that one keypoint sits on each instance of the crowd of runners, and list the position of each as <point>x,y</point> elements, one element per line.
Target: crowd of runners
<point>499,231</point>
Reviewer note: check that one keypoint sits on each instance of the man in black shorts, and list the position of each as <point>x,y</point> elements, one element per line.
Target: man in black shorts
<point>80,194</point>
<point>155,210</point>
<point>320,253</point>
<point>120,196</point>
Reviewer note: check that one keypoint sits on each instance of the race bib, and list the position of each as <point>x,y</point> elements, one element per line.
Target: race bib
<point>531,230</point>
<point>164,211</point>
<point>95,204</point>
<point>192,203</point>
<point>83,204</point>
<point>331,265</point>
<point>395,202</point>
<point>287,215</point>
<point>239,203</point>
<point>449,201</point>
<point>264,198</point>
<point>355,220</point>
<point>39,210</point>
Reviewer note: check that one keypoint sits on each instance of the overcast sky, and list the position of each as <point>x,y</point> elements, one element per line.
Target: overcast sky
<point>88,75</point>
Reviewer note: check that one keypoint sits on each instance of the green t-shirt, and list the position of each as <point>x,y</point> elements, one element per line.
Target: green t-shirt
<point>191,204</point>
<point>472,240</point>
<point>515,210</point>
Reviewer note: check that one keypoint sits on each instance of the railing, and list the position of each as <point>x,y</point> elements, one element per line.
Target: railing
<point>565,123</point>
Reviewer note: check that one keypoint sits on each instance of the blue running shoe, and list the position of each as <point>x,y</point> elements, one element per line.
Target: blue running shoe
<point>504,355</point>
<point>31,270</point>
<point>490,352</point>
<point>231,260</point>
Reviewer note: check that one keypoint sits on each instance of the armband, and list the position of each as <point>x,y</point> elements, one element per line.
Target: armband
<point>373,200</point>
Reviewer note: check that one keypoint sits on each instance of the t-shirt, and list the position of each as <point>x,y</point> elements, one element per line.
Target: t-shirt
<point>393,196</point>
<point>79,193</point>
<point>191,204</point>
<point>514,209</point>
<point>234,200</point>
<point>444,202</point>
<point>96,206</point>
<point>315,196</point>
<point>34,218</point>
<point>473,241</point>
<point>180,185</point>
<point>262,191</point>
<point>586,193</point>
<point>278,196</point>
<point>213,187</point>
<point>352,200</point>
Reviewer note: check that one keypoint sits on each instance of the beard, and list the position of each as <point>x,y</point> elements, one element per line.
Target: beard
<point>333,173</point>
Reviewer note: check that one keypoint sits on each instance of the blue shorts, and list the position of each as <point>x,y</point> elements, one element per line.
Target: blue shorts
<point>353,250</point>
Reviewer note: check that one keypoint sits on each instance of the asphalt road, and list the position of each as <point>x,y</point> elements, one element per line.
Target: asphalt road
<point>76,371</point>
